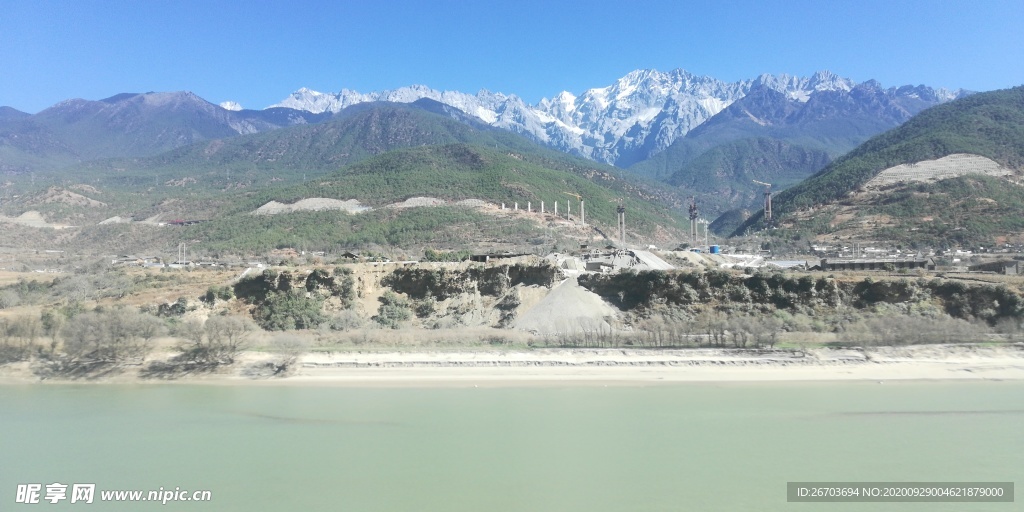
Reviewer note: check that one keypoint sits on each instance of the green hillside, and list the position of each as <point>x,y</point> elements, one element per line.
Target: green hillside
<point>987,124</point>
<point>290,153</point>
<point>968,211</point>
<point>376,153</point>
<point>294,154</point>
<point>405,231</point>
<point>451,172</point>
<point>465,171</point>
<point>723,176</point>
<point>832,137</point>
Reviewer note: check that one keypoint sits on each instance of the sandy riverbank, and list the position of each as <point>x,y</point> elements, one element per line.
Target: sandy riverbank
<point>653,366</point>
<point>605,366</point>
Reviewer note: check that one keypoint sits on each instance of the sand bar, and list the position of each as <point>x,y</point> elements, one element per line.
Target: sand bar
<point>653,366</point>
<point>609,367</point>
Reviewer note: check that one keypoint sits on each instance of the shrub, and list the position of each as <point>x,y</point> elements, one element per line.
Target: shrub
<point>283,311</point>
<point>215,293</point>
<point>289,346</point>
<point>452,256</point>
<point>393,310</point>
<point>177,308</point>
<point>9,299</point>
<point>345,321</point>
<point>216,341</point>
<point>425,307</point>
<point>17,338</point>
<point>258,287</point>
<point>346,285</point>
<point>111,336</point>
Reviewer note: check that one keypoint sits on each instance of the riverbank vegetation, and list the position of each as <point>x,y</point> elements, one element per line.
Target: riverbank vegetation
<point>90,326</point>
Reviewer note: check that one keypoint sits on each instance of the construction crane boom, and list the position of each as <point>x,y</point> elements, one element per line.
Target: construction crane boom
<point>583,213</point>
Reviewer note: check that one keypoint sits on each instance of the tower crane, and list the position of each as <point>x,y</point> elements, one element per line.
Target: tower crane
<point>767,200</point>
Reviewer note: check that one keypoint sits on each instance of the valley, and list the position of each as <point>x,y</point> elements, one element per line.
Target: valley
<point>511,257</point>
<point>417,220</point>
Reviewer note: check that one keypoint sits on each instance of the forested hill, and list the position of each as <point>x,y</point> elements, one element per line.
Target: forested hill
<point>988,124</point>
<point>357,133</point>
<point>460,171</point>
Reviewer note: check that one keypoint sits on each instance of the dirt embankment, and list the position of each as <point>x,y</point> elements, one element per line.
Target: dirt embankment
<point>957,298</point>
<point>442,295</point>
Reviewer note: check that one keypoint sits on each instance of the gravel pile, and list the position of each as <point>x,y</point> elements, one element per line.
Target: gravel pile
<point>116,220</point>
<point>473,203</point>
<point>568,308</point>
<point>413,202</point>
<point>354,206</point>
<point>312,204</point>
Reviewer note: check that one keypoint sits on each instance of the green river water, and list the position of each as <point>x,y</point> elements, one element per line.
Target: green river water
<point>700,447</point>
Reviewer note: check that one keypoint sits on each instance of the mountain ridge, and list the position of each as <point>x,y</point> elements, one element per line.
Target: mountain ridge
<point>626,122</point>
<point>798,137</point>
<point>294,154</point>
<point>637,116</point>
<point>126,125</point>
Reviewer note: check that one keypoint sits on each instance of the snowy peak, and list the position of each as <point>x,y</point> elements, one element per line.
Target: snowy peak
<point>801,88</point>
<point>638,115</point>
<point>828,81</point>
<point>482,105</point>
<point>311,101</point>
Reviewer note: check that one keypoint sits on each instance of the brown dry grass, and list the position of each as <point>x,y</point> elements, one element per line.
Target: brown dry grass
<point>181,283</point>
<point>418,339</point>
<point>8,277</point>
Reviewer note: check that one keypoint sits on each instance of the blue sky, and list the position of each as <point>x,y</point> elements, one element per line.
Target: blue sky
<point>256,53</point>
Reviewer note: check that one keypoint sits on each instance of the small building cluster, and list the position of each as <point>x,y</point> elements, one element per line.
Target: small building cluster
<point>1005,267</point>
<point>137,261</point>
<point>877,264</point>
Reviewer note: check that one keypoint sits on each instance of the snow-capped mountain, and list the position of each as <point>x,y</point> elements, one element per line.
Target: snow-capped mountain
<point>631,121</point>
<point>639,115</point>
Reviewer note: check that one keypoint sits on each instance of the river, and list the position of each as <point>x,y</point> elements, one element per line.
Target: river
<point>694,446</point>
